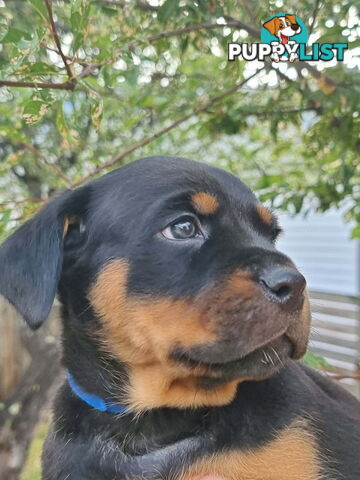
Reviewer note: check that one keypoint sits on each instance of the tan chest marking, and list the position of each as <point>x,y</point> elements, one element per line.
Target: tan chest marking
<point>291,456</point>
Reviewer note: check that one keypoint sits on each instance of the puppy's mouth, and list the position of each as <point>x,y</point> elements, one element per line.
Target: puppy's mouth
<point>284,38</point>
<point>259,364</point>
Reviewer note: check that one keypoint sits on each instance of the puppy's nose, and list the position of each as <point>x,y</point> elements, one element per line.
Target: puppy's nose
<point>294,26</point>
<point>283,285</point>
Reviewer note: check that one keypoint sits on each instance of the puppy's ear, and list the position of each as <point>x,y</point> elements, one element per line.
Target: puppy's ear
<point>291,18</point>
<point>31,258</point>
<point>271,25</point>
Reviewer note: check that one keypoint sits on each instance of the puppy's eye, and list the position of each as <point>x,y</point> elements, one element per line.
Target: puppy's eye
<point>183,229</point>
<point>281,25</point>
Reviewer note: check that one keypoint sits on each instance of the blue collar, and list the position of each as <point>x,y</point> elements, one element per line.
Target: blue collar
<point>93,400</point>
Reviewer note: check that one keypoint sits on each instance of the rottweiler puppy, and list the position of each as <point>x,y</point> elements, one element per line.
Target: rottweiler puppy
<point>182,324</point>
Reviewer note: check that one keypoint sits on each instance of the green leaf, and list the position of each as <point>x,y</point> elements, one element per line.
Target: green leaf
<point>75,21</point>
<point>355,233</point>
<point>111,12</point>
<point>80,10</point>
<point>45,95</point>
<point>90,83</point>
<point>68,136</point>
<point>40,7</point>
<point>14,35</point>
<point>316,361</point>
<point>39,68</point>
<point>61,122</point>
<point>34,110</point>
<point>167,10</point>
<point>184,44</point>
<point>5,215</point>
<point>9,132</point>
<point>97,108</point>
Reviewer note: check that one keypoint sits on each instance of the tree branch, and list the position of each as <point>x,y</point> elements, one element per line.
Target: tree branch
<point>42,157</point>
<point>192,28</point>
<point>249,10</point>
<point>290,111</point>
<point>57,86</point>
<point>230,22</point>
<point>48,4</point>
<point>69,85</point>
<point>139,5</point>
<point>345,376</point>
<point>314,16</point>
<point>151,38</point>
<point>145,141</point>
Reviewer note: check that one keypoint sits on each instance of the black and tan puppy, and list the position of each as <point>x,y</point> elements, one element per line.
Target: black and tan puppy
<point>181,325</point>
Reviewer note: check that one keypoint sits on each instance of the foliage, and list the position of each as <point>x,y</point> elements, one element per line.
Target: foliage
<point>123,79</point>
<point>32,466</point>
<point>316,361</point>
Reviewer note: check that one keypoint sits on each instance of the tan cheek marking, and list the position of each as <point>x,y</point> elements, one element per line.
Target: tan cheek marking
<point>264,214</point>
<point>292,455</point>
<point>141,332</point>
<point>147,325</point>
<point>204,203</point>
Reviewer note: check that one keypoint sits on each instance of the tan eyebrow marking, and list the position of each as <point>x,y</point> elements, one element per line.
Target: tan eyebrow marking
<point>204,203</point>
<point>264,214</point>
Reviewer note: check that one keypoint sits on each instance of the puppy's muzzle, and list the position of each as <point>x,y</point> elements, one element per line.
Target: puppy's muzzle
<point>284,285</point>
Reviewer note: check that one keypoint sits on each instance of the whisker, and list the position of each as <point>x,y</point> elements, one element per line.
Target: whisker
<point>277,356</point>
<point>271,359</point>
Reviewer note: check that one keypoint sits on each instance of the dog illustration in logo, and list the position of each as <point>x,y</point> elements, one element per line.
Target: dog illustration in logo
<point>283,28</point>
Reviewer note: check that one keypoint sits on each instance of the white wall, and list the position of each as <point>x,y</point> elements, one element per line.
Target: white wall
<point>321,247</point>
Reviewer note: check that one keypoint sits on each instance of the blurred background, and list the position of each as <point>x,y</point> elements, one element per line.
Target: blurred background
<point>90,85</point>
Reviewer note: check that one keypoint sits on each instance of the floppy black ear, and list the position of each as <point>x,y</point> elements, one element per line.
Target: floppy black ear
<point>31,258</point>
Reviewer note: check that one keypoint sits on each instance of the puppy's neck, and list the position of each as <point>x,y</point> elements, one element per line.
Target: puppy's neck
<point>156,385</point>
<point>95,372</point>
<point>138,386</point>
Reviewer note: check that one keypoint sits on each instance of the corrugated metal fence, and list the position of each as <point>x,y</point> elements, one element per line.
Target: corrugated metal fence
<point>336,336</point>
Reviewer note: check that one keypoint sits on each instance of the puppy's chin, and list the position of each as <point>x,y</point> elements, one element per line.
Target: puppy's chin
<point>257,365</point>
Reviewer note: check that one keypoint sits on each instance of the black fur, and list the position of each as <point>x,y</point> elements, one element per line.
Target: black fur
<point>120,216</point>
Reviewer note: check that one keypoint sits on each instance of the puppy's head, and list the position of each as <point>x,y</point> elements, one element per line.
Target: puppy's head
<point>283,27</point>
<point>170,266</point>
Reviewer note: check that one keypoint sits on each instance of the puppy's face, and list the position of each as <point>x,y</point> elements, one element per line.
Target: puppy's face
<point>176,261</point>
<point>283,27</point>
